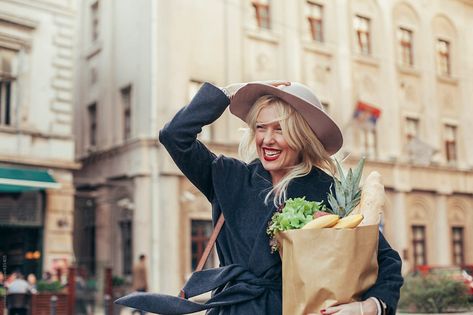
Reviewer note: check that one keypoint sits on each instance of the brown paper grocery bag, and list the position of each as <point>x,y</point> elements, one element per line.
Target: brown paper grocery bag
<point>326,267</point>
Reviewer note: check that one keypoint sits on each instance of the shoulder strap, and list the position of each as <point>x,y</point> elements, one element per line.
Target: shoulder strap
<point>208,248</point>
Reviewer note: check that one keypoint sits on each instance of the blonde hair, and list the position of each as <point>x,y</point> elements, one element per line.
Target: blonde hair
<point>297,133</point>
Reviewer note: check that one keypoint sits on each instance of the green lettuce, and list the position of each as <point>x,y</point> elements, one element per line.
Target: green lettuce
<point>296,213</point>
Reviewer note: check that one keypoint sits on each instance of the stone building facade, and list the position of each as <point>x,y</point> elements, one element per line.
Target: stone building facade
<point>395,75</point>
<point>36,141</point>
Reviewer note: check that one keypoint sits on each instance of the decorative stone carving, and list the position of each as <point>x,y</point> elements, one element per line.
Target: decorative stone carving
<point>418,212</point>
<point>458,215</point>
<point>457,211</point>
<point>419,207</point>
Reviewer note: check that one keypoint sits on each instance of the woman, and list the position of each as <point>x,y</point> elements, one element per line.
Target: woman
<point>292,140</point>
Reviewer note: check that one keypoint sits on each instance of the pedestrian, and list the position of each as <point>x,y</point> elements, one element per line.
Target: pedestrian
<point>31,279</point>
<point>84,295</point>
<point>19,284</point>
<point>140,278</point>
<point>18,295</point>
<point>286,153</point>
<point>2,280</point>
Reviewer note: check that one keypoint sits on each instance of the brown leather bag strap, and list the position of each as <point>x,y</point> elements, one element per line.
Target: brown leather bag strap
<point>208,249</point>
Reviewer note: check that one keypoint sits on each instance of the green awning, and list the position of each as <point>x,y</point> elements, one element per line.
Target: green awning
<point>18,180</point>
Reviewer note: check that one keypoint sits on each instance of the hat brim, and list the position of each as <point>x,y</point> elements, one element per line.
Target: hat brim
<point>321,124</point>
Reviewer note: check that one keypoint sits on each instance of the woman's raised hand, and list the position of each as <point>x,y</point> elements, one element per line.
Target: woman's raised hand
<point>276,83</point>
<point>231,89</point>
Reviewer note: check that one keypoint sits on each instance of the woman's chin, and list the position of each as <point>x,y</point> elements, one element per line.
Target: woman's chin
<point>270,165</point>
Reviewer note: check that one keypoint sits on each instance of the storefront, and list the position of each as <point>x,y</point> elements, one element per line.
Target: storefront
<point>22,215</point>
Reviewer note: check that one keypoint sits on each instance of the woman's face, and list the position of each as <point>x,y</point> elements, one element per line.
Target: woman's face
<point>271,146</point>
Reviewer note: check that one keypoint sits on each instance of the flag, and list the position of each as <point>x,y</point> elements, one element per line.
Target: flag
<point>366,115</point>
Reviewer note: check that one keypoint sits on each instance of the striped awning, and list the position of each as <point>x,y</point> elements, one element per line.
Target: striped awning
<point>18,180</point>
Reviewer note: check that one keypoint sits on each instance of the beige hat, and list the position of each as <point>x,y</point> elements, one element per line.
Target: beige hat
<point>302,99</point>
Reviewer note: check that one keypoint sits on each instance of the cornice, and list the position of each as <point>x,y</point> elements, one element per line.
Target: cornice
<point>39,162</point>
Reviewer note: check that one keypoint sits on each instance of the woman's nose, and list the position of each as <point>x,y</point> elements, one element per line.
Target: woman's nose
<point>268,137</point>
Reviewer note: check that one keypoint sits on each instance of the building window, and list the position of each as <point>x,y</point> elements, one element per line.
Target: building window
<point>126,106</point>
<point>262,13</point>
<point>126,235</point>
<point>369,142</point>
<point>363,34</point>
<point>92,113</point>
<point>451,143</point>
<point>7,81</point>
<point>443,57</point>
<point>457,246</point>
<point>418,244</point>
<point>412,128</point>
<point>94,21</point>
<point>207,131</point>
<point>405,38</point>
<point>200,235</point>
<point>84,225</point>
<point>315,18</point>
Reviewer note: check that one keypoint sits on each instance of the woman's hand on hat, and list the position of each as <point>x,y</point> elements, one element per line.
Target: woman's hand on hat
<point>276,83</point>
<point>231,89</point>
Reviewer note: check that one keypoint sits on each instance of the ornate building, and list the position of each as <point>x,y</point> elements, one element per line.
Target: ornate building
<point>394,75</point>
<point>36,141</point>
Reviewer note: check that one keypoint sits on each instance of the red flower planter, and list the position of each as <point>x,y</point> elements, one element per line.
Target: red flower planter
<point>41,303</point>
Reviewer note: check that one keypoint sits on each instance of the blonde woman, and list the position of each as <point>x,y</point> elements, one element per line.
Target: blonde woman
<point>286,153</point>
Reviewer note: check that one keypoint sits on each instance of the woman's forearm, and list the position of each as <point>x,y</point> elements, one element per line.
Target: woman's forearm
<point>179,136</point>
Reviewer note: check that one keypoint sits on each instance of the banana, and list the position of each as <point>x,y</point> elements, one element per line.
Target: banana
<point>325,221</point>
<point>350,221</point>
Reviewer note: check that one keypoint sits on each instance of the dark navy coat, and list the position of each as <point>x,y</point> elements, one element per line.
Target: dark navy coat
<point>249,279</point>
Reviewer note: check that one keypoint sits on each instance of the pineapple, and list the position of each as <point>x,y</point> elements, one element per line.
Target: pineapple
<point>347,191</point>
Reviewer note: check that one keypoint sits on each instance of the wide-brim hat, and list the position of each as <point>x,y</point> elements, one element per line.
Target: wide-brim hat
<point>302,99</point>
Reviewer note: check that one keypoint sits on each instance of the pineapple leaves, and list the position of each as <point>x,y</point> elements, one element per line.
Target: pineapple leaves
<point>340,171</point>
<point>340,193</point>
<point>333,203</point>
<point>346,195</point>
<point>358,172</point>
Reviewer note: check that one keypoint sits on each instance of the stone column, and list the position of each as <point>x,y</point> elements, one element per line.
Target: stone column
<point>442,233</point>
<point>165,274</point>
<point>103,239</point>
<point>59,222</point>
<point>344,96</point>
<point>142,219</point>
<point>400,225</point>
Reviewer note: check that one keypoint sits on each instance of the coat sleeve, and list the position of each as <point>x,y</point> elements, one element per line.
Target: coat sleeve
<point>179,136</point>
<point>389,281</point>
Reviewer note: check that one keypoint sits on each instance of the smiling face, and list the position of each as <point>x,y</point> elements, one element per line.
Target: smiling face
<point>271,146</point>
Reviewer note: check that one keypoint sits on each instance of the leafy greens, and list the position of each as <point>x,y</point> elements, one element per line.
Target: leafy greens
<point>296,213</point>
